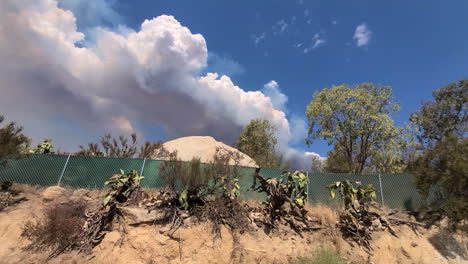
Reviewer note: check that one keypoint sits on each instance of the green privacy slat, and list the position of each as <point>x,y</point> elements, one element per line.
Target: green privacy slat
<point>399,190</point>
<point>41,170</point>
<point>93,172</point>
<point>151,173</point>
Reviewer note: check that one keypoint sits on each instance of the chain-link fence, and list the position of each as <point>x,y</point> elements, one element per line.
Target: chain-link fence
<point>393,190</point>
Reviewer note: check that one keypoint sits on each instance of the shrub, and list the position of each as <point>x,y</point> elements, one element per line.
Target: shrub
<point>59,225</point>
<point>442,178</point>
<point>44,148</point>
<point>13,143</point>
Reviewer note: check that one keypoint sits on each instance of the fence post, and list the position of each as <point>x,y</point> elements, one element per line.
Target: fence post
<point>142,168</point>
<point>381,190</point>
<point>308,181</point>
<point>63,171</point>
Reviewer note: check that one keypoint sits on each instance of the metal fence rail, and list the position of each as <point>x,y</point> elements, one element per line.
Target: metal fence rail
<point>393,190</point>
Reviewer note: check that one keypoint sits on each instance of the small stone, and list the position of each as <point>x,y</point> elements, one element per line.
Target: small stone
<point>80,194</point>
<point>414,244</point>
<point>136,216</point>
<point>376,224</point>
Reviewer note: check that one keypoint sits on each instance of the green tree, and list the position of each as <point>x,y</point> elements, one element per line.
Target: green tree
<point>44,148</point>
<point>446,115</point>
<point>356,120</point>
<point>442,177</point>
<point>441,169</point>
<point>13,144</point>
<point>258,141</point>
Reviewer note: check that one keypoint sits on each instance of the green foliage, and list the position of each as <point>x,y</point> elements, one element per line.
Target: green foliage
<point>446,115</point>
<point>442,177</point>
<point>355,199</point>
<point>297,184</point>
<point>13,144</point>
<point>122,186</point>
<point>321,255</point>
<point>258,141</point>
<point>357,121</point>
<point>285,200</point>
<point>193,181</point>
<point>183,199</point>
<point>44,148</point>
<point>441,169</point>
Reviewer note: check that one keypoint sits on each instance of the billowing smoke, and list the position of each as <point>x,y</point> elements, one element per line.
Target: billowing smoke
<point>120,81</point>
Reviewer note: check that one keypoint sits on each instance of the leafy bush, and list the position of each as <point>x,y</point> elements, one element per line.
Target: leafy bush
<point>44,148</point>
<point>13,144</point>
<point>59,226</point>
<point>193,180</point>
<point>285,200</point>
<point>357,221</point>
<point>442,178</point>
<point>204,191</point>
<point>355,200</point>
<point>122,186</point>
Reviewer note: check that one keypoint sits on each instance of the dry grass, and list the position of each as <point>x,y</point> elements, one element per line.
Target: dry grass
<point>329,218</point>
<point>321,255</point>
<point>26,188</point>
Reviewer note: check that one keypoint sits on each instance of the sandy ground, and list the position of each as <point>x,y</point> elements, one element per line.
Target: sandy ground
<point>144,244</point>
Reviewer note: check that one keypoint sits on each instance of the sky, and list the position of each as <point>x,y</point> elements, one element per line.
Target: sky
<point>73,70</point>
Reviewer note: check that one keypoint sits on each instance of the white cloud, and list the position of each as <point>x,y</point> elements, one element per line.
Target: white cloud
<point>306,12</point>
<point>317,40</point>
<point>280,27</point>
<point>334,22</point>
<point>362,35</point>
<point>121,81</point>
<point>122,124</point>
<point>298,130</point>
<point>278,99</point>
<point>258,38</point>
<point>298,45</point>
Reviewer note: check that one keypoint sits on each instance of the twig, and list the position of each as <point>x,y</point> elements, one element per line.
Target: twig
<point>180,247</point>
<point>406,221</point>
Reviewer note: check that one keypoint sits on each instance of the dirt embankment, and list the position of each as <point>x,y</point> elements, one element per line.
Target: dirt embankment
<point>205,148</point>
<point>145,244</point>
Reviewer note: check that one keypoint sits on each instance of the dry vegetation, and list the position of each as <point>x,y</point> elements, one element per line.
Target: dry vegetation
<point>199,218</point>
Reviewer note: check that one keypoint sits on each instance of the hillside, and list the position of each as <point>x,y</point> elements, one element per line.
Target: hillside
<point>144,243</point>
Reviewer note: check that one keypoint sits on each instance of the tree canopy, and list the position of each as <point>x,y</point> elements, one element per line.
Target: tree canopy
<point>13,143</point>
<point>441,169</point>
<point>446,115</point>
<point>356,121</point>
<point>258,141</point>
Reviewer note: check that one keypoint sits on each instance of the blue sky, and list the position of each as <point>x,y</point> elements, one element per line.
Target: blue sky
<point>415,46</point>
<point>296,47</point>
